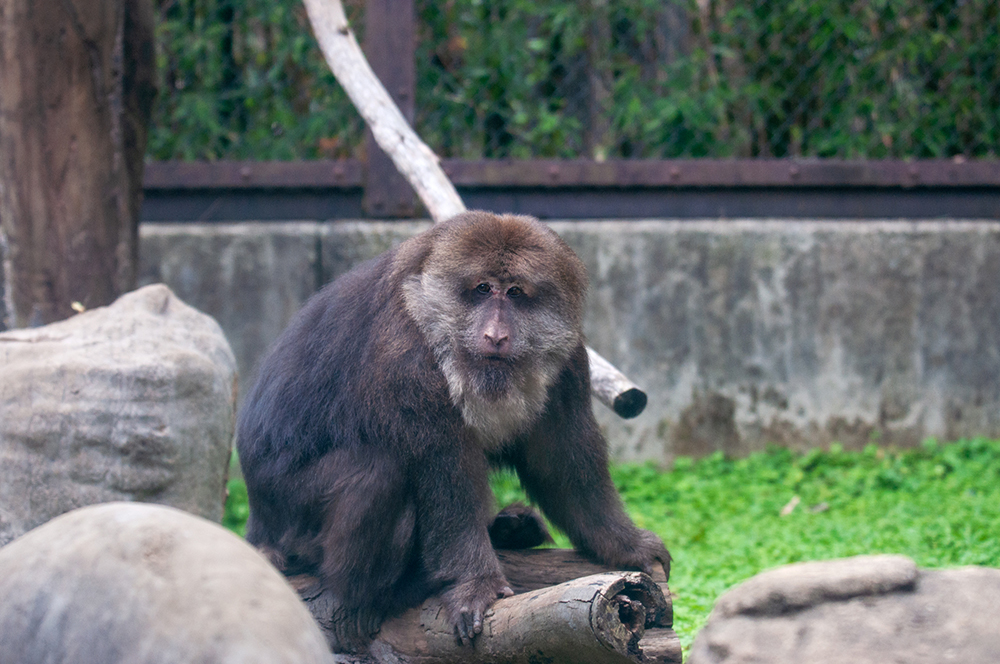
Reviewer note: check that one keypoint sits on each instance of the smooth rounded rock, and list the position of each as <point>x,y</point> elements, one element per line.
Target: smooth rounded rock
<point>863,610</point>
<point>146,584</point>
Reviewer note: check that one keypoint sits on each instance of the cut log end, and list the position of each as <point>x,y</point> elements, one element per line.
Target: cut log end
<point>630,403</point>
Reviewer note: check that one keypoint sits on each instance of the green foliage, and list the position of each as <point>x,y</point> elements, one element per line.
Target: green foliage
<point>237,508</point>
<point>244,79</point>
<point>638,78</point>
<point>849,78</point>
<point>721,518</point>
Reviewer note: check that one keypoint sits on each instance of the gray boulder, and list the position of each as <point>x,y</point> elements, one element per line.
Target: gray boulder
<point>133,401</point>
<point>868,609</point>
<point>145,584</point>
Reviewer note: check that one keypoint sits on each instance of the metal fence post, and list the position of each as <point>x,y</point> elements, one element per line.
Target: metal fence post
<point>389,43</point>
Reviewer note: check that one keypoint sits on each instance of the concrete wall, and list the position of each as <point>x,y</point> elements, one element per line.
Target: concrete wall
<point>742,332</point>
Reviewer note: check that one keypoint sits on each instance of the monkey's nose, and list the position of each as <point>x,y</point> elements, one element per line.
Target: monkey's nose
<point>497,338</point>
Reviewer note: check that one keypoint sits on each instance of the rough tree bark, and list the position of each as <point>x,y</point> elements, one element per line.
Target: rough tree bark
<point>567,609</point>
<point>76,90</point>
<point>421,167</point>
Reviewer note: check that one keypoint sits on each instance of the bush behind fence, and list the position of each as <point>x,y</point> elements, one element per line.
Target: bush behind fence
<point>244,79</point>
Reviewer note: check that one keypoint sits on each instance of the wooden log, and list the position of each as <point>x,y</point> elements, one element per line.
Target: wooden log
<point>603,617</point>
<point>531,569</point>
<point>421,166</point>
<point>613,388</point>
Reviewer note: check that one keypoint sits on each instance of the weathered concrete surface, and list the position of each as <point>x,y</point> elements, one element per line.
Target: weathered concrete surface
<point>250,277</point>
<point>742,332</point>
<point>5,296</point>
<point>132,583</point>
<point>133,401</point>
<point>864,610</point>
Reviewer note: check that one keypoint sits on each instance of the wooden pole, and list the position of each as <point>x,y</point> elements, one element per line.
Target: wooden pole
<point>411,156</point>
<point>389,45</point>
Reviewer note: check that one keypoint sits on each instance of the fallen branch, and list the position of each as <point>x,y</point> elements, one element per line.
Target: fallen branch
<point>420,166</point>
<point>613,388</point>
<point>602,618</point>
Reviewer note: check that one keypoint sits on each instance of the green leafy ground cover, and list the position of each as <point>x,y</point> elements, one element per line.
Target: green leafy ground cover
<point>722,519</point>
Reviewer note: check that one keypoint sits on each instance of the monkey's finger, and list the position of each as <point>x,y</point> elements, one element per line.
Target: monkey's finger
<point>505,592</point>
<point>477,622</point>
<point>462,627</point>
<point>469,625</point>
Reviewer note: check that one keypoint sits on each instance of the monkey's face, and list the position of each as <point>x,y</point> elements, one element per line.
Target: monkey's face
<point>499,300</point>
<point>504,334</point>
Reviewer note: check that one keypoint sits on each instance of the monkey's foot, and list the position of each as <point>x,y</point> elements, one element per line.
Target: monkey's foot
<point>347,629</point>
<point>518,526</point>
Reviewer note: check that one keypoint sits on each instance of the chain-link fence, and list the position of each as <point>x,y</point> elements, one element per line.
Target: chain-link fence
<point>602,79</point>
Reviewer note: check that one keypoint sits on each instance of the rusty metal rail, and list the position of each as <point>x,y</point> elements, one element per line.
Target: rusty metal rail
<point>223,191</point>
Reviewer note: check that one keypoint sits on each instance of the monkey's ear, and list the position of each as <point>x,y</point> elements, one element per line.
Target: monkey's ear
<point>413,254</point>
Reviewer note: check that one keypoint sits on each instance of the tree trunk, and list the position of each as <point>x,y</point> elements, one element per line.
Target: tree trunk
<point>567,609</point>
<point>76,90</point>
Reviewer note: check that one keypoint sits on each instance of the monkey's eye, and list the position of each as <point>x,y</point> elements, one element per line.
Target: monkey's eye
<point>484,288</point>
<point>514,292</point>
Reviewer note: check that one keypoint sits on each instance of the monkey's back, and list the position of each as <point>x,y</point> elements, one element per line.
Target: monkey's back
<point>332,399</point>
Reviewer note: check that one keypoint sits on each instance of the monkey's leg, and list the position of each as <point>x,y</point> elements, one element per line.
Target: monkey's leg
<point>367,541</point>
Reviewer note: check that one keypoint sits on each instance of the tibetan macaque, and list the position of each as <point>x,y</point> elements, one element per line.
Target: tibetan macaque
<point>367,440</point>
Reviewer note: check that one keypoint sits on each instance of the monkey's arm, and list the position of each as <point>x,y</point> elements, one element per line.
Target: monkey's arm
<point>453,503</point>
<point>563,466</point>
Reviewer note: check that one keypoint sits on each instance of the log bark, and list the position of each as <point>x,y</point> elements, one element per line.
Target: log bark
<point>76,89</point>
<point>531,569</point>
<point>602,618</point>
<point>421,167</point>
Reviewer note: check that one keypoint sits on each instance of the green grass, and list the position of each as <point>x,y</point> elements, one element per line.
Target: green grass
<point>721,518</point>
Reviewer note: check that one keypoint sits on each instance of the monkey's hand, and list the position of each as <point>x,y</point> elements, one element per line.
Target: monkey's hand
<point>466,603</point>
<point>650,550</point>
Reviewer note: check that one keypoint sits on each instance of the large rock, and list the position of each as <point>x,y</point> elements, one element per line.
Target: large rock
<point>145,584</point>
<point>869,609</point>
<point>134,401</point>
